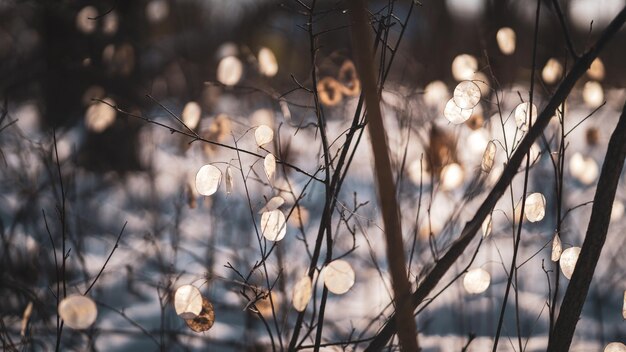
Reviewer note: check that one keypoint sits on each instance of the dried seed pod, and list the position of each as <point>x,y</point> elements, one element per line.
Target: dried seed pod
<point>203,321</point>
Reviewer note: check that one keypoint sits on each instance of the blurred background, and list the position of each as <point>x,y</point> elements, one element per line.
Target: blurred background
<point>225,67</point>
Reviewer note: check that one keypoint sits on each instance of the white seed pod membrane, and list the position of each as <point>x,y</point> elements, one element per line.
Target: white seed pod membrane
<point>99,116</point>
<point>523,115</point>
<point>78,311</point>
<point>263,135</point>
<point>569,257</point>
<point>487,226</point>
<point>464,66</point>
<point>229,70</point>
<point>488,157</point>
<point>272,204</point>
<point>338,276</point>
<point>302,291</point>
<point>270,166</point>
<point>557,248</point>
<point>267,62</point>
<point>230,182</point>
<point>506,40</point>
<point>615,347</point>
<point>476,281</point>
<point>208,180</point>
<point>455,114</point>
<point>593,94</point>
<point>584,169</point>
<point>187,301</point>
<point>466,95</point>
<point>452,176</point>
<point>191,114</point>
<point>273,225</point>
<point>535,207</point>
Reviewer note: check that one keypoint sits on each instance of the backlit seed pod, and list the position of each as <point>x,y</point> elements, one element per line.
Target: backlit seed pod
<point>191,114</point>
<point>464,66</point>
<point>85,19</point>
<point>208,180</point>
<point>552,71</point>
<point>436,94</point>
<point>269,164</point>
<point>568,260</point>
<point>78,311</point>
<point>100,116</point>
<point>302,292</point>
<point>487,226</point>
<point>455,114</point>
<point>593,94</point>
<point>267,62</point>
<point>263,135</point>
<point>596,70</point>
<point>488,157</point>
<point>348,79</point>
<point>273,226</point>
<point>229,71</point>
<point>506,40</point>
<point>557,248</point>
<point>188,301</point>
<point>329,91</point>
<point>584,169</point>
<point>203,321</point>
<point>338,276</point>
<point>452,176</point>
<point>523,115</point>
<point>535,207</point>
<point>266,306</point>
<point>615,347</point>
<point>466,95</point>
<point>476,281</point>
<point>272,204</point>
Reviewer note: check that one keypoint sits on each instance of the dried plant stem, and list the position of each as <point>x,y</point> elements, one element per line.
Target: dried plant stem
<point>597,229</point>
<point>384,179</point>
<point>471,228</point>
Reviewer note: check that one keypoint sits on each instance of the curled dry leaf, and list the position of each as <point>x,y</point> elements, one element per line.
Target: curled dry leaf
<point>78,311</point>
<point>187,301</point>
<point>455,114</point>
<point>569,257</point>
<point>535,207</point>
<point>263,135</point>
<point>203,321</point>
<point>208,179</point>
<point>466,95</point>
<point>476,281</point>
<point>557,248</point>
<point>302,292</point>
<point>273,226</point>
<point>272,204</point>
<point>270,166</point>
<point>488,157</point>
<point>338,276</point>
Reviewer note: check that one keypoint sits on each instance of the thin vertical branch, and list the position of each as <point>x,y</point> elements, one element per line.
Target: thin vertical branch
<point>384,179</point>
<point>578,287</point>
<point>471,228</point>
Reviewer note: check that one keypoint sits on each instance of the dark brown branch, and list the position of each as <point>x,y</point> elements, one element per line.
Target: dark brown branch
<point>471,228</point>
<point>384,179</point>
<point>594,240</point>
